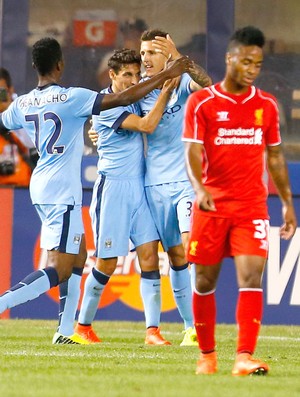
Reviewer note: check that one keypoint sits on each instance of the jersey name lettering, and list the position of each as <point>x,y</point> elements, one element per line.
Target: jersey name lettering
<point>40,101</point>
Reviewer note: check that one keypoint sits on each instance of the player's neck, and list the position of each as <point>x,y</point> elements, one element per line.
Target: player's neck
<point>43,81</point>
<point>160,87</point>
<point>114,88</point>
<point>50,78</point>
<point>232,87</point>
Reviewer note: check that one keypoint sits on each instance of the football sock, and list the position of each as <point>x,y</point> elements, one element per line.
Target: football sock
<point>29,288</point>
<point>181,286</point>
<point>69,294</point>
<point>204,309</point>
<point>248,316</point>
<point>150,292</point>
<point>93,288</point>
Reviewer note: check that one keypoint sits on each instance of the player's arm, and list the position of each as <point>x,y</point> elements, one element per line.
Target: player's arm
<point>133,94</point>
<point>200,78</point>
<point>166,46</point>
<point>149,122</point>
<point>278,170</point>
<point>193,160</point>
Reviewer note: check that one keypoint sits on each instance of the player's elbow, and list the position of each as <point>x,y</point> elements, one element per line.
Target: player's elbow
<point>147,128</point>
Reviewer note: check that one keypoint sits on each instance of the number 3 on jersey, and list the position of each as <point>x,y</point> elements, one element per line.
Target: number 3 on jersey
<point>262,227</point>
<point>51,148</point>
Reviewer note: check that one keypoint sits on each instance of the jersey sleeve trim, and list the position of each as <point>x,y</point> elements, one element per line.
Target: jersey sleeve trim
<point>97,104</point>
<point>274,144</point>
<point>116,125</point>
<point>192,140</point>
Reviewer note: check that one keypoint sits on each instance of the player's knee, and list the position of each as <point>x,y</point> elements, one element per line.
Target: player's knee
<point>177,255</point>
<point>204,284</point>
<point>63,264</point>
<point>149,261</point>
<point>252,280</point>
<point>106,266</point>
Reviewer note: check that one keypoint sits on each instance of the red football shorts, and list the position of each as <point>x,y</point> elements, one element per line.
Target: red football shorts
<point>213,238</point>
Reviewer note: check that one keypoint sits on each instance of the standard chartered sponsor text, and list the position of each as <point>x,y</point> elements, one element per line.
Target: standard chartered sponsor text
<point>239,136</point>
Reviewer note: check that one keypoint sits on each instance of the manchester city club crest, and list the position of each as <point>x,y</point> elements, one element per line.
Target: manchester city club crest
<point>108,243</point>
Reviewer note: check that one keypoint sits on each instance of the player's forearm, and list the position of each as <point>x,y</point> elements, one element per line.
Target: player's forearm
<point>193,160</point>
<point>200,76</point>
<point>150,122</point>
<point>135,93</point>
<point>279,173</point>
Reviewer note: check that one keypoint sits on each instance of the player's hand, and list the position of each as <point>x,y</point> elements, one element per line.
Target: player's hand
<point>179,66</point>
<point>166,46</point>
<point>288,229</point>
<point>93,135</point>
<point>205,201</point>
<point>170,85</point>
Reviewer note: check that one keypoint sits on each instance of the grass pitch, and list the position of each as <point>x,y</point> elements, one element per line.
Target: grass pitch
<point>123,366</point>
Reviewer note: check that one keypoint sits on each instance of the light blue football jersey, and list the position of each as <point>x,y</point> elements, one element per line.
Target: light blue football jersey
<point>165,150</point>
<point>121,152</point>
<point>54,117</point>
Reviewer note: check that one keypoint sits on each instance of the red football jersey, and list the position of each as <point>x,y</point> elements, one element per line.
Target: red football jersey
<point>235,130</point>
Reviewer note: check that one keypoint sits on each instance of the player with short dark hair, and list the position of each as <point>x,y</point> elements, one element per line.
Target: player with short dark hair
<point>231,129</point>
<point>123,57</point>
<point>168,190</point>
<point>53,117</point>
<point>119,209</point>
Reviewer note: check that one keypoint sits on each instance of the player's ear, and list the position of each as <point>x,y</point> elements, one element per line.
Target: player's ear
<point>60,65</point>
<point>112,74</point>
<point>227,58</point>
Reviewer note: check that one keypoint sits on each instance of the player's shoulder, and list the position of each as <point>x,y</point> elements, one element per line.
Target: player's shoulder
<point>106,90</point>
<point>267,97</point>
<point>265,94</point>
<point>203,94</point>
<point>78,89</point>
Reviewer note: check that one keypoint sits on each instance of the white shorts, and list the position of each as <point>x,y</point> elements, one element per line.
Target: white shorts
<point>62,227</point>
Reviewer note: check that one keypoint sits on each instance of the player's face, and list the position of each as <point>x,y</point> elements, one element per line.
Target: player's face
<point>154,62</point>
<point>244,64</point>
<point>128,76</point>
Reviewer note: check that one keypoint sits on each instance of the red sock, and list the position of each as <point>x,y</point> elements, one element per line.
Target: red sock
<point>204,309</point>
<point>248,316</point>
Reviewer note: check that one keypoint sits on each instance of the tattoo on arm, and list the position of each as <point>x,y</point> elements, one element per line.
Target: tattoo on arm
<point>199,75</point>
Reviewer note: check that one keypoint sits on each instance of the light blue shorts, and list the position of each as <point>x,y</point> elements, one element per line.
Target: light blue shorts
<point>171,205</point>
<point>62,227</point>
<point>119,212</point>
